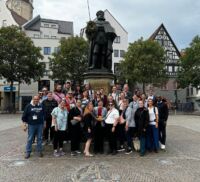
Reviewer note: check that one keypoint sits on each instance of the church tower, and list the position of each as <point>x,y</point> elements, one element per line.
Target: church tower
<point>23,8</point>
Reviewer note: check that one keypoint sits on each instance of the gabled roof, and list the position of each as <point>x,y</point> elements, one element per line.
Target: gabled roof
<point>153,36</point>
<point>64,27</point>
<point>116,20</point>
<point>19,19</point>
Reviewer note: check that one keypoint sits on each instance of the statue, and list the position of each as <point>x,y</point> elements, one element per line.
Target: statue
<point>101,36</point>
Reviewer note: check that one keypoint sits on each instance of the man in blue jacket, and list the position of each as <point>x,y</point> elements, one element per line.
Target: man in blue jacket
<point>33,119</point>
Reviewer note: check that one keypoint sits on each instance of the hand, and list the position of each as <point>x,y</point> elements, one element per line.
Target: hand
<point>126,127</point>
<point>24,127</point>
<point>56,127</point>
<point>156,124</point>
<point>45,125</point>
<point>89,130</point>
<point>113,129</point>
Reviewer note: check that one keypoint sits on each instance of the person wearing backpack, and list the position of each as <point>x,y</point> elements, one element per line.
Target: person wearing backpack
<point>152,129</point>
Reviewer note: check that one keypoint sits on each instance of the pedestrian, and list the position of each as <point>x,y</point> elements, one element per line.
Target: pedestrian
<point>57,94</point>
<point>128,115</point>
<point>49,104</point>
<point>88,120</point>
<point>127,93</point>
<point>163,116</point>
<point>78,92</point>
<point>34,120</point>
<point>142,120</point>
<point>111,121</point>
<point>84,100</point>
<point>99,127</point>
<point>75,119</point>
<point>152,129</point>
<point>59,123</point>
<point>89,91</point>
<point>70,100</point>
<point>67,87</point>
<point>97,98</point>
<point>44,93</point>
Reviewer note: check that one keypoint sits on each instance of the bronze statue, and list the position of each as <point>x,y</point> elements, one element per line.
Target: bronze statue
<point>101,36</point>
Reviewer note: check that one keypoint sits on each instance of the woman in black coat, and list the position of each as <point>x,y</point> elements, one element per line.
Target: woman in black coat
<point>142,121</point>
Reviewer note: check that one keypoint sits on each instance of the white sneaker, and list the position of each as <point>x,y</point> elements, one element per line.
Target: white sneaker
<point>162,147</point>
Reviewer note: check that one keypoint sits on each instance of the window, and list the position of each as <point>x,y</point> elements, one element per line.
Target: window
<point>117,39</point>
<point>116,53</point>
<point>188,91</point>
<point>191,90</point>
<point>43,83</point>
<point>36,36</point>
<point>47,50</point>
<point>4,23</point>
<point>170,68</point>
<point>122,53</point>
<point>46,25</point>
<point>176,68</point>
<point>46,36</point>
<point>53,37</point>
<point>56,49</point>
<point>116,68</point>
<point>53,26</point>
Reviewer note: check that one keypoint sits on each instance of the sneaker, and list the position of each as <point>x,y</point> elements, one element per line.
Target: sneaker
<point>121,149</point>
<point>40,154</point>
<point>27,155</point>
<point>56,154</point>
<point>62,153</point>
<point>78,151</point>
<point>128,151</point>
<point>162,147</point>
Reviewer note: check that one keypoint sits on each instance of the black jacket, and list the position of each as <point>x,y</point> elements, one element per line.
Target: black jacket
<point>141,120</point>
<point>48,106</point>
<point>163,111</point>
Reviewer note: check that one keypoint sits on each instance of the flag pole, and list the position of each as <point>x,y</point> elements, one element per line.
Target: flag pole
<point>88,9</point>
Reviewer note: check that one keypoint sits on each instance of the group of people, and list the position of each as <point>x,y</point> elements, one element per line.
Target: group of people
<point>121,117</point>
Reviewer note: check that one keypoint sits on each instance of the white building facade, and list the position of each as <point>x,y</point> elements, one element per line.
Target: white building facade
<point>46,34</point>
<point>120,44</point>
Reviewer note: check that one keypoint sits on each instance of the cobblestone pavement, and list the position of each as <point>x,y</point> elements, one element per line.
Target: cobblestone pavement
<point>180,162</point>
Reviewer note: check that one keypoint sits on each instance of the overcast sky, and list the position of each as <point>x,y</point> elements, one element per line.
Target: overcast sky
<point>139,17</point>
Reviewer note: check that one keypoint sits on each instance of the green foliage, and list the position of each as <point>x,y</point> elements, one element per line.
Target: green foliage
<point>19,58</point>
<point>71,61</point>
<point>189,72</point>
<point>144,63</point>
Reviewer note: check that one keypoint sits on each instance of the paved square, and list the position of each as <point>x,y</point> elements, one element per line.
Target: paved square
<point>181,161</point>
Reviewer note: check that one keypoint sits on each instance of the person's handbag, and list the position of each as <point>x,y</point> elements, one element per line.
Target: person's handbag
<point>136,144</point>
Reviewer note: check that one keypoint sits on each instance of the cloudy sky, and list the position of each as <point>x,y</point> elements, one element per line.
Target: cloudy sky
<point>139,17</point>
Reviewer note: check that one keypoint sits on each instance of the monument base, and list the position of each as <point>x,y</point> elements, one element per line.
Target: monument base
<point>99,79</point>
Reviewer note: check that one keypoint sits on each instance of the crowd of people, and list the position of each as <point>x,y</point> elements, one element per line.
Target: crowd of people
<point>127,120</point>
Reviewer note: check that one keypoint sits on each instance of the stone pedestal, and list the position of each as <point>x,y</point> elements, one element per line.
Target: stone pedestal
<point>98,79</point>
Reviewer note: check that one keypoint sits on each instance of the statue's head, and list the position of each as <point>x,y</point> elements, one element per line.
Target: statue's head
<point>100,15</point>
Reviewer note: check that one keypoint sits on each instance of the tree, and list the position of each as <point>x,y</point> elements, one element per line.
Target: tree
<point>189,71</point>
<point>144,63</point>
<point>71,61</point>
<point>19,58</point>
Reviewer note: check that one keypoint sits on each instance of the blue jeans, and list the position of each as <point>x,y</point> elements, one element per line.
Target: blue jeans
<point>34,130</point>
<point>142,144</point>
<point>152,138</point>
<point>130,134</point>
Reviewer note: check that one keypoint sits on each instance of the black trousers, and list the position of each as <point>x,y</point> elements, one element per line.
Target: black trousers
<point>162,132</point>
<point>121,137</point>
<point>98,137</point>
<point>47,129</point>
<point>58,139</point>
<point>111,137</point>
<point>75,137</point>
